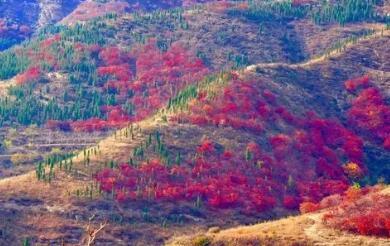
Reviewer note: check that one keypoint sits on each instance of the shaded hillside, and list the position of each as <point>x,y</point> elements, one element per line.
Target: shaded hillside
<point>20,19</point>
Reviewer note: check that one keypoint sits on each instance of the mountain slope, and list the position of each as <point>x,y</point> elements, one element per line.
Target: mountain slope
<point>20,19</point>
<point>65,199</point>
<point>205,140</point>
<point>307,229</point>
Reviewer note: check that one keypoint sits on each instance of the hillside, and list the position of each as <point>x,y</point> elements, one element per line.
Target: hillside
<point>68,193</point>
<point>307,229</point>
<point>19,20</point>
<point>143,127</point>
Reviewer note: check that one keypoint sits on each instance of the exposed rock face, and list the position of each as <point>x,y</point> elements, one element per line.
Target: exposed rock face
<point>21,18</point>
<point>51,11</point>
<point>36,13</point>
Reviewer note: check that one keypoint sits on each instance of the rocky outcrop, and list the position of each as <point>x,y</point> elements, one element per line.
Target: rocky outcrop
<point>52,11</point>
<point>36,13</point>
<point>21,18</point>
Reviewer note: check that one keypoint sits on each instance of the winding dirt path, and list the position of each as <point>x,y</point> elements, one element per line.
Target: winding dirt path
<point>324,57</point>
<point>4,85</point>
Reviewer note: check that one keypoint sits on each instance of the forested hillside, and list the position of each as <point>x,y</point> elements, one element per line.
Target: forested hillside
<point>130,122</point>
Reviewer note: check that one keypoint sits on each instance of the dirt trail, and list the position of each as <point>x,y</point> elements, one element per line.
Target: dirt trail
<point>332,54</point>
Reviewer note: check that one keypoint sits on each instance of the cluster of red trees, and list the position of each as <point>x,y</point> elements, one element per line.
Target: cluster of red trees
<point>48,42</point>
<point>145,78</point>
<point>219,181</point>
<point>120,72</point>
<point>90,125</point>
<point>175,67</point>
<point>51,54</point>
<point>247,105</point>
<point>112,55</point>
<point>251,180</point>
<point>301,163</point>
<point>20,30</point>
<point>152,76</point>
<point>44,54</point>
<point>116,118</point>
<point>308,150</point>
<point>116,70</point>
<point>32,74</point>
<point>369,112</point>
<point>242,106</point>
<point>362,211</point>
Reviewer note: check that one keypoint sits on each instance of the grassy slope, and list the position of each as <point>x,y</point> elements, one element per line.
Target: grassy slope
<point>306,229</point>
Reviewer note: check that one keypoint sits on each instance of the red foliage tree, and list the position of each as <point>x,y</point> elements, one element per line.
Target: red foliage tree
<point>112,56</point>
<point>58,125</point>
<point>369,113</point>
<point>120,72</point>
<point>206,147</point>
<point>291,202</point>
<point>308,207</point>
<point>353,84</point>
<point>32,74</point>
<point>367,213</point>
<point>90,125</point>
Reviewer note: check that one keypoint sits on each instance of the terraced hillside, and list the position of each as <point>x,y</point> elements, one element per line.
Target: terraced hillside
<point>135,129</point>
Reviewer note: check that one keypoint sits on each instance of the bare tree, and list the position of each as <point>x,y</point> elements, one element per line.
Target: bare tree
<point>92,233</point>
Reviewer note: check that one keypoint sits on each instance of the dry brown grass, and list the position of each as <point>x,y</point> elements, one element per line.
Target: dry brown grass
<point>5,85</point>
<point>288,231</point>
<point>307,229</point>
<point>317,39</point>
<point>324,58</point>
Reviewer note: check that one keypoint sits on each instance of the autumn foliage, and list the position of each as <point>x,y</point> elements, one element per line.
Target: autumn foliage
<point>308,150</point>
<point>308,207</point>
<point>30,75</point>
<point>218,182</point>
<point>142,80</point>
<point>369,113</point>
<point>159,75</point>
<point>362,211</point>
<point>300,160</point>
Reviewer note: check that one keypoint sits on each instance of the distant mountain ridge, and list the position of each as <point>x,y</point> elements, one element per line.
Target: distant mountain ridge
<point>20,19</point>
